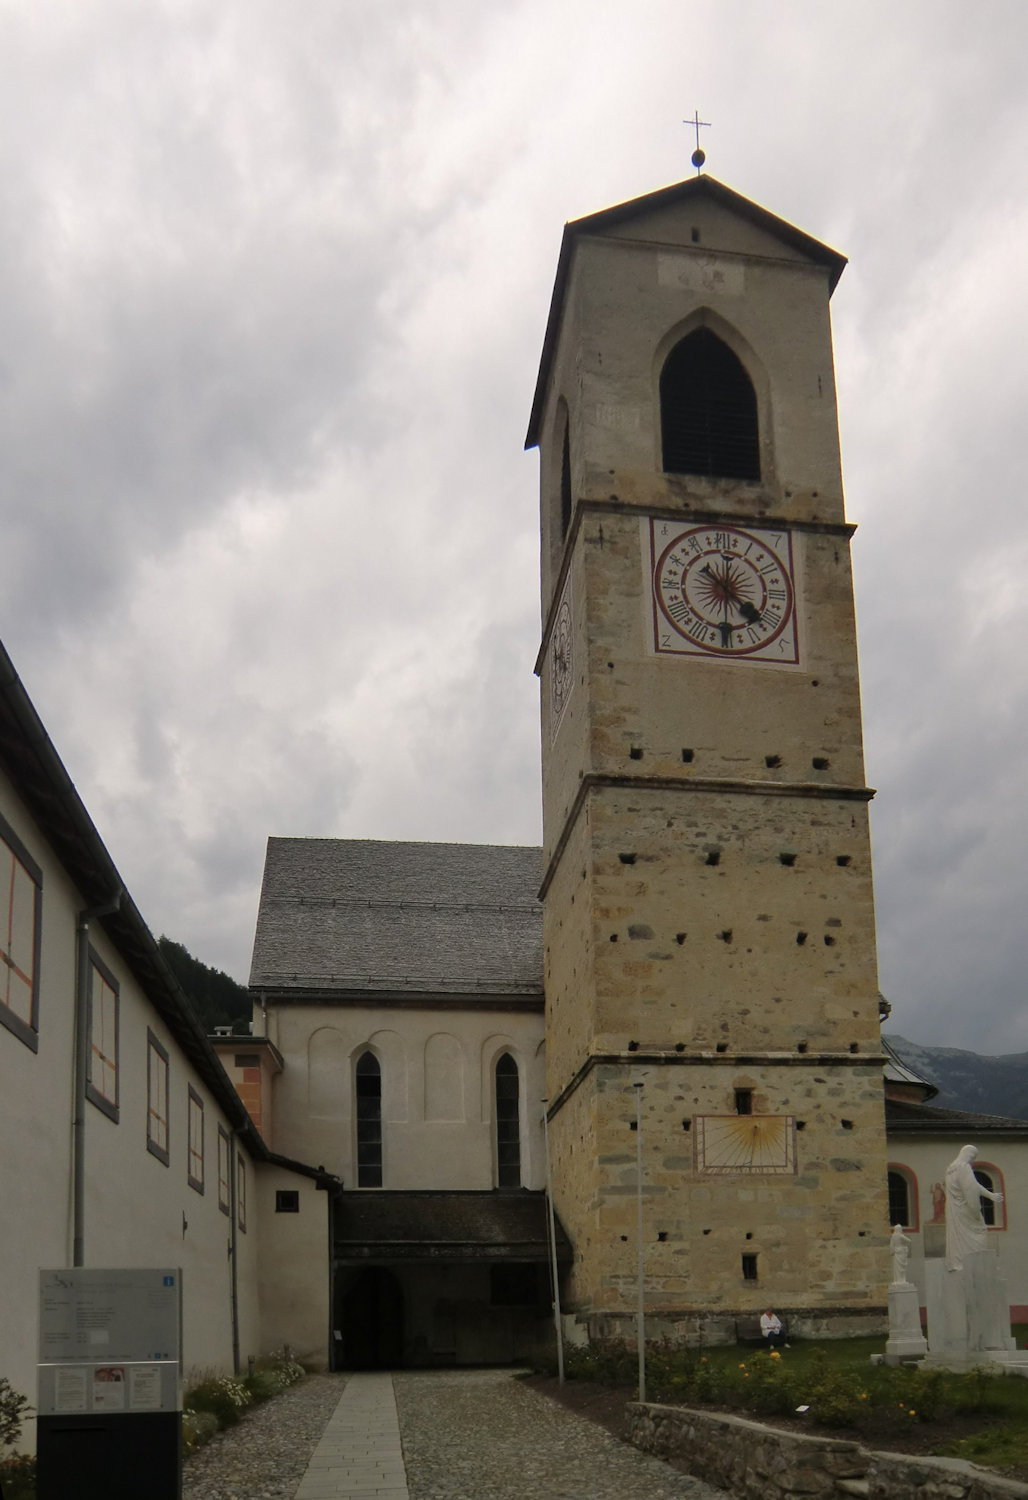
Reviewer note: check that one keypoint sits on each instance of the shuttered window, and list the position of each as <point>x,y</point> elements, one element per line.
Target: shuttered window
<point>708,411</point>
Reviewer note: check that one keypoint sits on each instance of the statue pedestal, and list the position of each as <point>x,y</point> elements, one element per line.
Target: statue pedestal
<point>906,1341</point>
<point>969,1315</point>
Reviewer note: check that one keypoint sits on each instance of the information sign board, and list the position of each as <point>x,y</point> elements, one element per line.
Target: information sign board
<point>109,1341</point>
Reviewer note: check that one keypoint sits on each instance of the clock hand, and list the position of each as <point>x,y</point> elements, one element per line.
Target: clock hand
<point>749,612</point>
<point>724,627</point>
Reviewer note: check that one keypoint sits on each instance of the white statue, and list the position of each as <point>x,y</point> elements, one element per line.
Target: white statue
<point>966,1232</point>
<point>899,1249</point>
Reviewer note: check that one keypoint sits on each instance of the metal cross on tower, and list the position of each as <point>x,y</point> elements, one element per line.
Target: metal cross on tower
<point>699,156</point>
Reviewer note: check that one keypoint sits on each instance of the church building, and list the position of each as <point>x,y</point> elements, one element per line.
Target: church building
<point>668,1014</point>
<point>708,967</point>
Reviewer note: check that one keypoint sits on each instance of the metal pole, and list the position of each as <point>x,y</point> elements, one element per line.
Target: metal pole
<point>553,1253</point>
<point>641,1314</point>
<point>83,1014</point>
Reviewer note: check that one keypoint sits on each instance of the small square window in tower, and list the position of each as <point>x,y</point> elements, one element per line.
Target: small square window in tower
<point>708,411</point>
<point>508,1123</point>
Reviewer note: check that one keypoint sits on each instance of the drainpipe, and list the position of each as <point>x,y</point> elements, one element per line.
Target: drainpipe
<point>82,1040</point>
<point>234,1247</point>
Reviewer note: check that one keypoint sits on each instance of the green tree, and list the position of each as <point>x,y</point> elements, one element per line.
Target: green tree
<point>217,998</point>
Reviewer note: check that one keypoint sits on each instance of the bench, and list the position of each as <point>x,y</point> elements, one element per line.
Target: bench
<point>747,1330</point>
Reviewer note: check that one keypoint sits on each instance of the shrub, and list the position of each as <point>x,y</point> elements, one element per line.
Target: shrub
<point>18,1477</point>
<point>198,1427</point>
<point>220,1395</point>
<point>606,1361</point>
<point>13,1409</point>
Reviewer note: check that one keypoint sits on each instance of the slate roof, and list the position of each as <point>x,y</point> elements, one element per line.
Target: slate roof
<point>359,916</point>
<point>897,1071</point>
<point>905,1118</point>
<point>436,1226</point>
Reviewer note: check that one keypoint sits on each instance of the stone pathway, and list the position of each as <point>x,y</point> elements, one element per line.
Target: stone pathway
<point>483,1435</point>
<point>466,1435</point>
<point>265,1456</point>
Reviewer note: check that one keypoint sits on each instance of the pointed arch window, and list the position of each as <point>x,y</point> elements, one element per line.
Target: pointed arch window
<point>708,411</point>
<point>369,1121</point>
<point>565,481</point>
<point>508,1123</point>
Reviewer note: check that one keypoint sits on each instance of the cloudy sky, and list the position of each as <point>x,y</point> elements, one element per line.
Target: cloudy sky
<point>273,283</point>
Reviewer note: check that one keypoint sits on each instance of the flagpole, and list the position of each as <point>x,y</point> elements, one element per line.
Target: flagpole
<point>641,1315</point>
<point>553,1253</point>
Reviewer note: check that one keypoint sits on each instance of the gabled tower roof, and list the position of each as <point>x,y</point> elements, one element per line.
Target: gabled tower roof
<point>692,190</point>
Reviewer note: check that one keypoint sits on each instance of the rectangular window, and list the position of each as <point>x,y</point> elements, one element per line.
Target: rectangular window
<point>287,1201</point>
<point>157,1099</point>
<point>102,1065</point>
<point>241,1192</point>
<point>194,1172</point>
<point>224,1168</point>
<point>749,1268</point>
<point>21,902</point>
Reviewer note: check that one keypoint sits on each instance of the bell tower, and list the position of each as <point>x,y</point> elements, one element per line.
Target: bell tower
<point>708,908</point>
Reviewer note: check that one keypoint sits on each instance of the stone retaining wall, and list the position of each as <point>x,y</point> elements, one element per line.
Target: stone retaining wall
<point>755,1462</point>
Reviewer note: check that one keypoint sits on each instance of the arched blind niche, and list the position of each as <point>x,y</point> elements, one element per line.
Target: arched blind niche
<point>708,411</point>
<point>369,1121</point>
<point>508,1123</point>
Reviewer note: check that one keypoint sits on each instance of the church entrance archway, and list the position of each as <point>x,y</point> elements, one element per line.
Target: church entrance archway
<point>371,1321</point>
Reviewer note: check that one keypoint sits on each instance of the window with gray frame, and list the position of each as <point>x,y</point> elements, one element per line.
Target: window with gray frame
<point>21,904</point>
<point>157,1099</point>
<point>102,1064</point>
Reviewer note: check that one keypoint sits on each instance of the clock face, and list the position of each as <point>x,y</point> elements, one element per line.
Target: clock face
<point>761,1145</point>
<point>723,592</point>
<point>562,664</point>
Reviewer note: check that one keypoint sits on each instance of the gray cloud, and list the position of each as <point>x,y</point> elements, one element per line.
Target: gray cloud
<point>273,296</point>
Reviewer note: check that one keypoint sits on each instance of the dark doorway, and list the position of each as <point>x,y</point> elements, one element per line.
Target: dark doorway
<point>371,1321</point>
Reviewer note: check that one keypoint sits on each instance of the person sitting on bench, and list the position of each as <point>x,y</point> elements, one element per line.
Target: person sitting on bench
<point>771,1328</point>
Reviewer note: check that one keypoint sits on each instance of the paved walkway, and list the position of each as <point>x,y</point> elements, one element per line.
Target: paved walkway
<point>359,1456</point>
<point>483,1435</point>
<point>466,1435</point>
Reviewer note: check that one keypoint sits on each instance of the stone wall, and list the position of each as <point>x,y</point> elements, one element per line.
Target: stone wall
<point>751,1460</point>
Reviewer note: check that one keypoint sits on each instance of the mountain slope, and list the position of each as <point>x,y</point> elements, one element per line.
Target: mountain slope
<point>966,1080</point>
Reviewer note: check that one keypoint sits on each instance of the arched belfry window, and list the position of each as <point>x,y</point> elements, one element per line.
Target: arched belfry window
<point>565,481</point>
<point>708,411</point>
<point>369,1121</point>
<point>508,1123</point>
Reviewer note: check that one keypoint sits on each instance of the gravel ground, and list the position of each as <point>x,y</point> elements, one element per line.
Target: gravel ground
<point>482,1435</point>
<point>265,1456</point>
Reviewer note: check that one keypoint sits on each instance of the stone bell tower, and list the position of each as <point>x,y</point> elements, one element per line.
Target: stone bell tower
<point>709,920</point>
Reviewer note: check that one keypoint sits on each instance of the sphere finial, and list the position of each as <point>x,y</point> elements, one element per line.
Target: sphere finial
<point>699,156</point>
